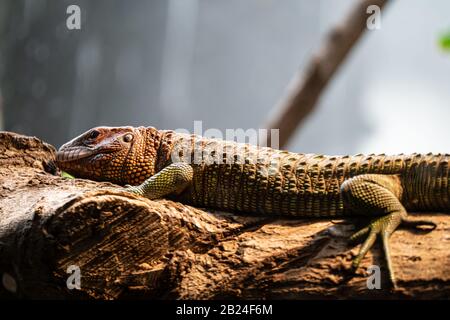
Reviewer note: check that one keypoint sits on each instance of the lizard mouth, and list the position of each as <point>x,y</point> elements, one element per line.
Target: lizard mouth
<point>73,154</point>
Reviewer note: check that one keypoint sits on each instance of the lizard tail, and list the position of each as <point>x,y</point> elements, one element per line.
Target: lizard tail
<point>427,184</point>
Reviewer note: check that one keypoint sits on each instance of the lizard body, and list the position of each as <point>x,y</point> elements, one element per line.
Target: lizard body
<point>245,178</point>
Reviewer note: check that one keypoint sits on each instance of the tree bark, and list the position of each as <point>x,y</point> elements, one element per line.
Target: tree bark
<point>129,247</point>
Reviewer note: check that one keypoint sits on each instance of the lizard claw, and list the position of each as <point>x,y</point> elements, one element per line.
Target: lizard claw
<point>419,225</point>
<point>383,226</point>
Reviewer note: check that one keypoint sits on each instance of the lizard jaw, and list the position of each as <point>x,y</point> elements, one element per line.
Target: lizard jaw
<point>73,154</point>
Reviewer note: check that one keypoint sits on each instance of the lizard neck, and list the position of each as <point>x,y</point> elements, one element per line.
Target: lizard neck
<point>141,160</point>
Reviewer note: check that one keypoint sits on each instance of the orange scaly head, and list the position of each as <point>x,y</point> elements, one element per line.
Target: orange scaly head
<point>122,155</point>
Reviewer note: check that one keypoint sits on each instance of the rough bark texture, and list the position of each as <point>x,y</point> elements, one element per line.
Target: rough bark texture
<point>131,247</point>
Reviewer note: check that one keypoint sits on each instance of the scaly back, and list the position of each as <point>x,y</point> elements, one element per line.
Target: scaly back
<point>246,178</point>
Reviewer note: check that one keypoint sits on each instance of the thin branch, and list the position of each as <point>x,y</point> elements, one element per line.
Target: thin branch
<point>307,86</point>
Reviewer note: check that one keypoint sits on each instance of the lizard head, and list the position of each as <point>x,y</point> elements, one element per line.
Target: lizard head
<point>122,155</point>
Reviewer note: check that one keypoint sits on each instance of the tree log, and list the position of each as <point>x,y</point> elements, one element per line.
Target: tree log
<point>126,246</point>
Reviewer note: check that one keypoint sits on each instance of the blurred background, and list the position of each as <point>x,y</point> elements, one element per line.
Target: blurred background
<point>227,63</point>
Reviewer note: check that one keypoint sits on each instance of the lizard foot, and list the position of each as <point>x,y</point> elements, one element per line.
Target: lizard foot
<point>379,195</point>
<point>384,227</point>
<point>173,179</point>
<point>134,189</point>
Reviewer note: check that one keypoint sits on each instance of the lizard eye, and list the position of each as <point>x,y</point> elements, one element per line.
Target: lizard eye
<point>94,134</point>
<point>128,137</point>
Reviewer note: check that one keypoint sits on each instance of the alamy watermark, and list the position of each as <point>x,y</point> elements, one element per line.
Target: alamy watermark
<point>374,280</point>
<point>74,280</point>
<point>373,22</point>
<point>73,21</point>
<point>212,146</point>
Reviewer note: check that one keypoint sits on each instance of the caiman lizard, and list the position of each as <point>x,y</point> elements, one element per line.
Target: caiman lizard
<point>241,177</point>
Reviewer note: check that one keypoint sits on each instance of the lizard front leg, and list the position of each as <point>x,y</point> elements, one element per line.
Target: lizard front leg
<point>380,195</point>
<point>173,179</point>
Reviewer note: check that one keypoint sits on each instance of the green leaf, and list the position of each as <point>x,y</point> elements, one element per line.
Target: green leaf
<point>66,175</point>
<point>444,41</point>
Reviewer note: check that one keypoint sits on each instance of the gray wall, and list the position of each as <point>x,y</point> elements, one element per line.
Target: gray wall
<point>168,63</point>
